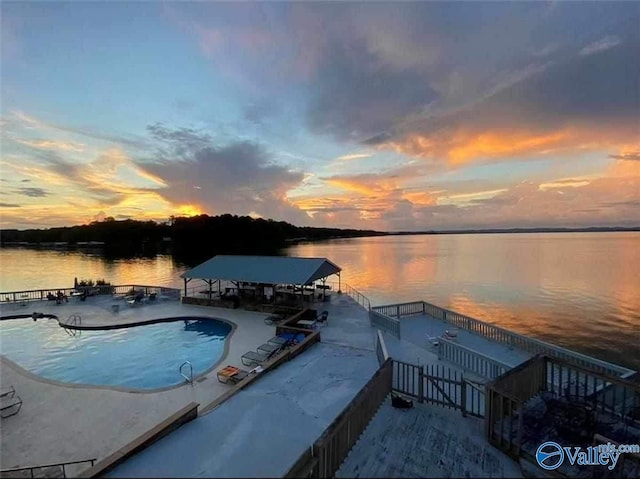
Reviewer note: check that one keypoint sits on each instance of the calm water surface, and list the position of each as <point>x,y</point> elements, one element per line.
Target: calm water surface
<point>578,290</point>
<point>140,357</point>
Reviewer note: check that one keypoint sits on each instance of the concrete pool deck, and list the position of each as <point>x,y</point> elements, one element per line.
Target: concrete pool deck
<point>62,422</point>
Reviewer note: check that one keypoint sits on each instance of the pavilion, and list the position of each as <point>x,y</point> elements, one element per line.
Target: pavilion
<point>263,277</point>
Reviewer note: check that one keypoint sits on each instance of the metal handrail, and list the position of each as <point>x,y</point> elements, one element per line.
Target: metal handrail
<point>31,468</point>
<point>11,297</point>
<point>188,378</point>
<point>353,293</point>
<point>73,320</point>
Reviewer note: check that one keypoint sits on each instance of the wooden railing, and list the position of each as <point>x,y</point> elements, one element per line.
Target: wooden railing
<point>381,349</point>
<point>41,294</point>
<point>503,336</point>
<point>401,309</point>
<point>328,453</point>
<point>471,360</point>
<point>16,471</point>
<point>382,321</point>
<point>606,395</point>
<point>439,385</point>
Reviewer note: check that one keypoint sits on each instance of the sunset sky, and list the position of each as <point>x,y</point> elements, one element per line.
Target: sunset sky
<point>390,116</point>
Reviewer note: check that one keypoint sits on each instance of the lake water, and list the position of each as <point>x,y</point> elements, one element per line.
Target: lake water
<point>578,290</point>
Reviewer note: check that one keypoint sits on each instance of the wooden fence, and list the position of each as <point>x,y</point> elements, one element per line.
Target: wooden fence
<point>439,385</point>
<point>503,336</point>
<point>328,453</point>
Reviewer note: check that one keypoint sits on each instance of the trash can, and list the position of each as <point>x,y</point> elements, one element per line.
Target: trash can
<point>115,308</point>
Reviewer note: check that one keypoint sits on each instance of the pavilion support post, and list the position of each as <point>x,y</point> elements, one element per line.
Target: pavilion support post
<point>219,293</point>
<point>186,280</point>
<point>339,284</point>
<point>210,283</point>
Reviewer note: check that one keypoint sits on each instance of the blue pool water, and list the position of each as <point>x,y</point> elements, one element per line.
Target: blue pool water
<point>142,357</point>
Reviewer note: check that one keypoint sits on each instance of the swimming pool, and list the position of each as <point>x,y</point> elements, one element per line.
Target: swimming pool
<point>141,357</point>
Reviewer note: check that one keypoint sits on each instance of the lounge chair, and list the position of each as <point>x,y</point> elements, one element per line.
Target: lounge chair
<point>8,392</point>
<point>269,348</point>
<point>252,358</point>
<point>265,353</point>
<point>10,405</point>
<point>279,340</point>
<point>231,374</point>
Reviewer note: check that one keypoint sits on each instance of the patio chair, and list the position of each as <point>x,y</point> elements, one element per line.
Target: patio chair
<point>231,374</point>
<point>137,299</point>
<point>10,405</point>
<point>322,319</point>
<point>433,341</point>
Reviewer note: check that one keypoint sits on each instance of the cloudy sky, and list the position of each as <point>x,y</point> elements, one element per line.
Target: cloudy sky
<point>392,116</point>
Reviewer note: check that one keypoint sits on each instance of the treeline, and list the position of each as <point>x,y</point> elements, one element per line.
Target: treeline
<point>197,236</point>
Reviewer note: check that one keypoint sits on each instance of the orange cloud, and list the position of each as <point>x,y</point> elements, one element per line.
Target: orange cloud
<point>422,198</point>
<point>353,185</point>
<point>462,146</point>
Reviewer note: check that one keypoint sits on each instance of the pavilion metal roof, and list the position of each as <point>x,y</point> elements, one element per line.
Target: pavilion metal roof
<point>264,269</point>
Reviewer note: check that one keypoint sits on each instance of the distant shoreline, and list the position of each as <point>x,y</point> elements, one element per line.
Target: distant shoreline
<point>520,230</point>
<point>292,241</point>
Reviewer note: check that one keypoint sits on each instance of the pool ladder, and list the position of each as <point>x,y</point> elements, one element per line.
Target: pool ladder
<point>188,378</point>
<point>74,319</point>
